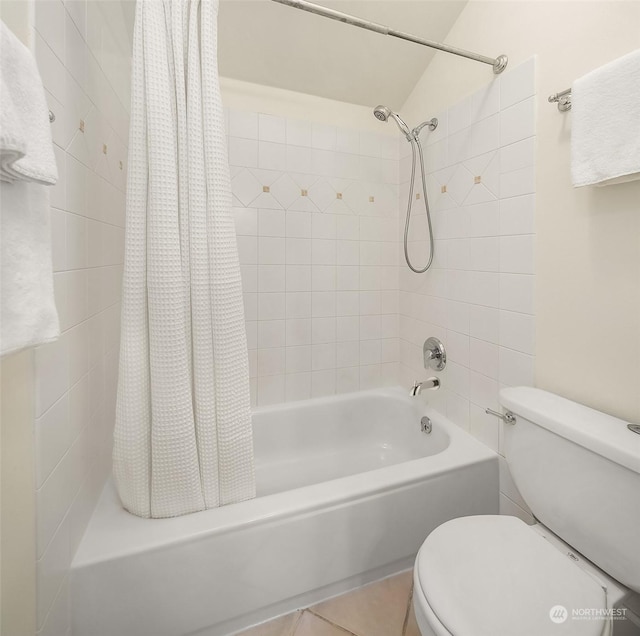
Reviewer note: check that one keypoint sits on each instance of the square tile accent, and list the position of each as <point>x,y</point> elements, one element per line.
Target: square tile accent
<point>266,189</point>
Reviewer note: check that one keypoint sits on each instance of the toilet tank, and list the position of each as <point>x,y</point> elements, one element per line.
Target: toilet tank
<point>579,472</point>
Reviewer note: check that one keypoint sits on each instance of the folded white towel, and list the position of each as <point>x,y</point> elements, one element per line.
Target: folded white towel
<point>605,127</point>
<point>28,315</point>
<point>26,151</point>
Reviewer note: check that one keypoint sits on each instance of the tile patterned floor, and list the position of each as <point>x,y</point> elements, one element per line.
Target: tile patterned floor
<point>380,609</point>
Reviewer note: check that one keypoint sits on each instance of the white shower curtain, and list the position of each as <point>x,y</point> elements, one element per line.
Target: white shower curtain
<point>183,437</point>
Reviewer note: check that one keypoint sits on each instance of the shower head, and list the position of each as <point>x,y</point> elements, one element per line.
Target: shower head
<point>383,113</point>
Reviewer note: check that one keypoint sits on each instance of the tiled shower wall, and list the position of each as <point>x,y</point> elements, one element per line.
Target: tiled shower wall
<point>83,54</point>
<point>478,297</point>
<point>316,214</point>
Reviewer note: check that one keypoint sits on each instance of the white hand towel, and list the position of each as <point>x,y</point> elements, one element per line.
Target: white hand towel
<point>605,127</point>
<point>26,151</point>
<point>28,315</point>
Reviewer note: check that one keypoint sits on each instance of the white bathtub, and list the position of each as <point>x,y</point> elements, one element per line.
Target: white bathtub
<point>348,488</point>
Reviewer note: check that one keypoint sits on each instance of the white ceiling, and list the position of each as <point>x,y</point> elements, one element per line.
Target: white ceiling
<point>267,43</point>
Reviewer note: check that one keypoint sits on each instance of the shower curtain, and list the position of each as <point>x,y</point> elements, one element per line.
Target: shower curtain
<point>183,437</point>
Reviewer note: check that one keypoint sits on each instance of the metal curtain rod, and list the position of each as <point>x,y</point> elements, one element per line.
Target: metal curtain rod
<point>498,64</point>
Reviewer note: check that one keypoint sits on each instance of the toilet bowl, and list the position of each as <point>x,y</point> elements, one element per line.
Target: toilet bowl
<point>497,576</point>
<point>579,470</point>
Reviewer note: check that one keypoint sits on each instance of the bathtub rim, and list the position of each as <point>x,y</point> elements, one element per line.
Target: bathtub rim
<point>114,533</point>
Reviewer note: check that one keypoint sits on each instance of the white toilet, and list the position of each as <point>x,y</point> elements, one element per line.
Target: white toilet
<point>579,471</point>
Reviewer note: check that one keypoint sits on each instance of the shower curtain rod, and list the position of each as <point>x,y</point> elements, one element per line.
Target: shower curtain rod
<point>498,64</point>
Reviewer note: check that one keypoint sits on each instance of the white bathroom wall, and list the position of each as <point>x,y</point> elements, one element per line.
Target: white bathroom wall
<point>316,213</point>
<point>292,104</point>
<point>478,297</point>
<point>83,53</point>
<point>588,239</point>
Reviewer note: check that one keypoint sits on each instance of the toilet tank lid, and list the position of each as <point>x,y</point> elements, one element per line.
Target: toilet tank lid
<point>598,432</point>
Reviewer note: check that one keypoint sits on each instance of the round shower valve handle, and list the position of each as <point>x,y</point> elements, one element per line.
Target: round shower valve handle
<point>435,356</point>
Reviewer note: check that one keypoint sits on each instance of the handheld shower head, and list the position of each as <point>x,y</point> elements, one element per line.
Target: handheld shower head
<point>383,113</point>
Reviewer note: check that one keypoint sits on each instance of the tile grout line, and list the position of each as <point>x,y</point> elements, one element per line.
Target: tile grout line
<point>296,622</point>
<point>326,620</point>
<point>408,610</point>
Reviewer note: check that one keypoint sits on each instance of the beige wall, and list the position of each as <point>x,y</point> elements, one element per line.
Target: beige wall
<point>17,474</point>
<point>17,516</point>
<point>588,239</point>
<point>278,101</point>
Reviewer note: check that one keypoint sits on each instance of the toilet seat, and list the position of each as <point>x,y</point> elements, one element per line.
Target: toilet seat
<point>495,576</point>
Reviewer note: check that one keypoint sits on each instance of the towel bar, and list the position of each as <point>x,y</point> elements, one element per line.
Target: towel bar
<point>563,100</point>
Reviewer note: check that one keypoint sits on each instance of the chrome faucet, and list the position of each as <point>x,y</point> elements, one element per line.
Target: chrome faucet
<point>430,383</point>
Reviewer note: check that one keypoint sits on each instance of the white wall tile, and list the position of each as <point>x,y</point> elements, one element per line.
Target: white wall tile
<point>517,293</point>
<point>271,333</point>
<point>517,122</point>
<point>484,254</point>
<point>271,251</point>
<point>517,331</point>
<point>298,278</point>
<point>516,369</point>
<point>298,224</point>
<point>51,570</point>
<point>323,136</point>
<point>298,251</point>
<point>271,128</point>
<point>518,182</point>
<point>298,305</point>
<point>243,152</point>
<point>479,297</point>
<point>518,155</point>
<point>484,357</point>
<point>243,124</point>
<point>348,141</point>
<point>297,386</point>
<point>272,156</point>
<point>298,331</point>
<point>51,370</point>
<point>517,215</point>
<point>298,133</point>
<point>271,389</point>
<point>271,223</point>
<point>517,84</point>
<point>316,253</point>
<point>484,427</point>
<point>271,306</point>
<point>298,359</point>
<point>517,254</point>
